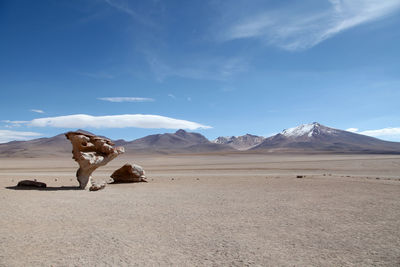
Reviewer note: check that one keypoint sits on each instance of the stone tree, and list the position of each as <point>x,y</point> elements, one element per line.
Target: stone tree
<point>91,152</point>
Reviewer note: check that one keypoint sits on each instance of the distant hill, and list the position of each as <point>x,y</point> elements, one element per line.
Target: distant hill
<point>180,141</point>
<point>57,145</point>
<point>317,138</point>
<point>52,146</point>
<point>243,142</point>
<point>306,138</point>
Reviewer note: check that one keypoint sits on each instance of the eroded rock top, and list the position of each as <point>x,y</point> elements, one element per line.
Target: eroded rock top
<point>91,152</point>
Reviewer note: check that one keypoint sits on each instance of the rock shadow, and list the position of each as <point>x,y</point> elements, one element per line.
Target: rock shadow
<point>49,188</point>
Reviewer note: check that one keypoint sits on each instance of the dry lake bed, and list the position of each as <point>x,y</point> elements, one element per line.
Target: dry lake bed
<point>206,210</point>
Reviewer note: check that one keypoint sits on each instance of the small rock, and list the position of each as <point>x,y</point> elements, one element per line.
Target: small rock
<point>96,187</point>
<point>29,183</point>
<point>300,176</point>
<point>129,174</point>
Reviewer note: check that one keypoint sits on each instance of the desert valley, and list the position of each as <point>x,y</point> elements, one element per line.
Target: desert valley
<point>278,203</point>
<point>199,133</point>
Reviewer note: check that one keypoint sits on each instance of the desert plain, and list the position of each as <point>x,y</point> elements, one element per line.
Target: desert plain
<point>233,209</point>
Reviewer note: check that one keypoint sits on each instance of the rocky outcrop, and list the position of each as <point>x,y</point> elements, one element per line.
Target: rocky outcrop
<point>243,142</point>
<point>91,152</point>
<point>29,183</point>
<point>129,174</point>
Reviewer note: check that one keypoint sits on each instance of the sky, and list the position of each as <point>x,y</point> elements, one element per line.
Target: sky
<point>127,69</point>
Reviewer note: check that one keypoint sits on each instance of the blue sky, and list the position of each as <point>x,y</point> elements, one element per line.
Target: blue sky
<point>126,69</point>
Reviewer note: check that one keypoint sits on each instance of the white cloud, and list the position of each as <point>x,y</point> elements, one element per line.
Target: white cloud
<point>8,135</point>
<point>382,132</point>
<point>390,133</point>
<point>353,130</point>
<point>126,99</point>
<point>292,30</point>
<point>172,96</point>
<point>37,110</point>
<point>115,121</point>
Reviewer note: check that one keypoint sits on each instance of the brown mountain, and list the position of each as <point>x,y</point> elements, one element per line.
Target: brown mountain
<point>308,138</point>
<point>243,142</point>
<point>57,145</point>
<point>50,146</point>
<point>180,141</point>
<point>314,137</point>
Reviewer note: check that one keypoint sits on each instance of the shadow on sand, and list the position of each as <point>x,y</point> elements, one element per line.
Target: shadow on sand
<point>49,188</point>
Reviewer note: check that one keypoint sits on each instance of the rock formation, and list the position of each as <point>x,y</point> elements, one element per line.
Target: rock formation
<point>29,183</point>
<point>129,174</point>
<point>91,152</point>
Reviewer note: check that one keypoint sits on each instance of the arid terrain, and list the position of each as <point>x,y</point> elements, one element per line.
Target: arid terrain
<point>205,210</point>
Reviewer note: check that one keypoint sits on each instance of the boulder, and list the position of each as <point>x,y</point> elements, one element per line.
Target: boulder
<point>29,183</point>
<point>129,174</point>
<point>91,152</point>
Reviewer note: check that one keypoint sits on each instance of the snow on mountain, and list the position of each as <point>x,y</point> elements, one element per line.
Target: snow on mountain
<point>311,129</point>
<point>243,142</point>
<point>314,137</point>
<point>223,139</point>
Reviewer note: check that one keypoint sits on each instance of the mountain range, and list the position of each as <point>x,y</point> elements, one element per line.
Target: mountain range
<point>318,138</point>
<point>243,142</point>
<point>306,138</point>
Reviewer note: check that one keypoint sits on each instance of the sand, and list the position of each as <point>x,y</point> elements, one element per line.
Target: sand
<point>206,210</point>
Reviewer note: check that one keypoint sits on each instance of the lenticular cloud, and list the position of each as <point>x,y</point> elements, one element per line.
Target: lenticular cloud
<point>116,121</point>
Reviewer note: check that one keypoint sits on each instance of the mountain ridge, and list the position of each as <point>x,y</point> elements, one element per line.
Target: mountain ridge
<point>315,137</point>
<point>243,142</point>
<point>305,138</point>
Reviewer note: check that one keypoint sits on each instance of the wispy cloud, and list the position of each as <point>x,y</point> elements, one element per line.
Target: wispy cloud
<point>292,29</point>
<point>11,124</point>
<point>8,135</point>
<point>387,133</point>
<point>123,6</point>
<point>37,110</point>
<point>126,99</point>
<point>114,121</point>
<point>209,68</point>
<point>172,96</point>
<point>97,75</point>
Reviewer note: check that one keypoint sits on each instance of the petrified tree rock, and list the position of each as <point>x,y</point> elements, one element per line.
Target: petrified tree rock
<point>29,183</point>
<point>129,174</point>
<point>91,152</point>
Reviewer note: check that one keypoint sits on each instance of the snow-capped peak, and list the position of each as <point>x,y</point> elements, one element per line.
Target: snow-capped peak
<point>304,129</point>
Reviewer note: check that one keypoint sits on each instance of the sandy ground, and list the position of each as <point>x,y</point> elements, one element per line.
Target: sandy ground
<point>206,210</point>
